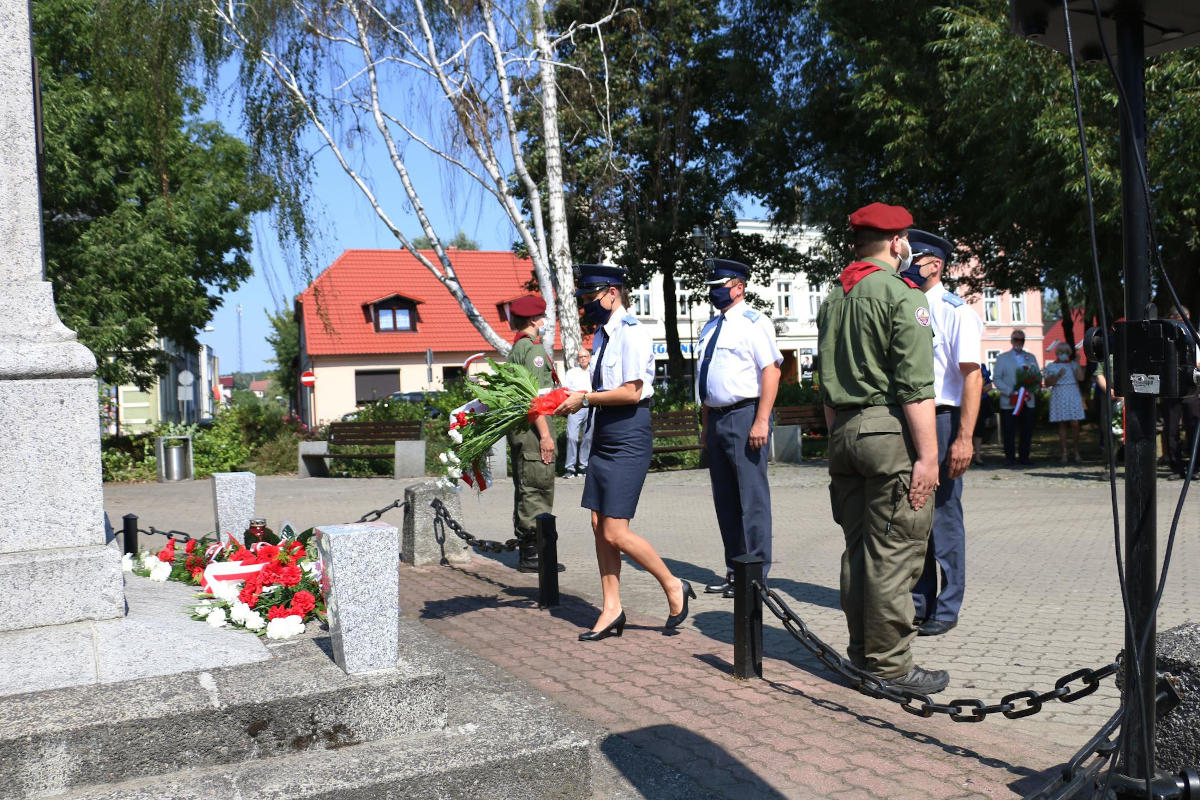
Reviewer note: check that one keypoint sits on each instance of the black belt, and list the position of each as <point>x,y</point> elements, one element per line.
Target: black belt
<point>739,404</point>
<point>946,409</point>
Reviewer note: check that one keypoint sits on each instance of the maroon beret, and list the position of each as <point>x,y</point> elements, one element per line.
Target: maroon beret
<point>528,306</point>
<point>882,217</point>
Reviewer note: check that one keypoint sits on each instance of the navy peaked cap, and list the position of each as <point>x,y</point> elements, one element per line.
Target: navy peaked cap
<point>722,269</point>
<point>590,277</point>
<point>926,243</point>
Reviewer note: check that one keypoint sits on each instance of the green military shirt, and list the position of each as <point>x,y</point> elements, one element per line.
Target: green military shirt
<point>875,343</point>
<point>532,356</point>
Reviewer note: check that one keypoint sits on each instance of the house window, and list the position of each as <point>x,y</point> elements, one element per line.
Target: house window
<point>390,319</point>
<point>1017,307</point>
<point>990,357</point>
<point>452,374</point>
<point>991,306</point>
<point>783,298</point>
<point>681,297</point>
<point>641,300</point>
<point>370,385</point>
<point>815,295</point>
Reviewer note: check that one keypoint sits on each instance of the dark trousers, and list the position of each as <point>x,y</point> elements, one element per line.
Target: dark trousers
<point>1011,427</point>
<point>947,551</point>
<point>741,494</point>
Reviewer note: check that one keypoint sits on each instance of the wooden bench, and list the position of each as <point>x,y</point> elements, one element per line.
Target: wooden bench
<point>675,425</point>
<point>791,423</point>
<point>407,448</point>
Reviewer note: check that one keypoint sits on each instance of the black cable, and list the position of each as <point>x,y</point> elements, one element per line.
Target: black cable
<point>1105,363</point>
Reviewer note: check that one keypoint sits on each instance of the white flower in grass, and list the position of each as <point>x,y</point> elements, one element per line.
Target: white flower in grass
<point>127,562</point>
<point>216,618</point>
<point>285,627</point>
<point>455,436</point>
<point>160,571</point>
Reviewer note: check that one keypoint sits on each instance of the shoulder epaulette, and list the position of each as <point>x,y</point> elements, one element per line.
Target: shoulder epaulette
<point>751,314</point>
<point>952,299</point>
<point>629,319</point>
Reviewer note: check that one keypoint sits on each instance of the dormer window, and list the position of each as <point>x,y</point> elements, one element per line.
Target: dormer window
<point>394,314</point>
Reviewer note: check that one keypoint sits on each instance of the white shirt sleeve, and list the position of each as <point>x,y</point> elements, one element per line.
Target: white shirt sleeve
<point>969,341</point>
<point>763,349</point>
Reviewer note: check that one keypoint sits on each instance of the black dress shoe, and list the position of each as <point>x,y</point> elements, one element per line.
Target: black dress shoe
<point>720,588</point>
<point>674,620</point>
<point>935,627</point>
<point>614,628</point>
<point>922,681</point>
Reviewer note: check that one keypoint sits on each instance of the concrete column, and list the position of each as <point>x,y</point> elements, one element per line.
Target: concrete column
<point>233,504</point>
<point>361,582</point>
<point>52,539</point>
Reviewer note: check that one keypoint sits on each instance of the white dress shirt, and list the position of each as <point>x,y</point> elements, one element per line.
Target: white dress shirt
<point>957,338</point>
<point>629,355</point>
<point>745,346</point>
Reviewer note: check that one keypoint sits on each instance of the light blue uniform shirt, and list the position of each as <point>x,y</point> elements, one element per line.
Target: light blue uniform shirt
<point>745,346</point>
<point>957,337</point>
<point>629,355</point>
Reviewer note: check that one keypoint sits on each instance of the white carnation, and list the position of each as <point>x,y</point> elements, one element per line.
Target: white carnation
<point>225,590</point>
<point>160,571</point>
<point>254,621</point>
<point>127,562</point>
<point>455,436</point>
<point>454,459</point>
<point>238,612</point>
<point>442,457</point>
<point>285,627</point>
<point>216,618</point>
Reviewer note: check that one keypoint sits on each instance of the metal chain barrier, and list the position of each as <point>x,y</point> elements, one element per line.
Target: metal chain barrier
<point>1075,774</point>
<point>486,545</point>
<point>179,536</point>
<point>1014,706</point>
<point>373,516</point>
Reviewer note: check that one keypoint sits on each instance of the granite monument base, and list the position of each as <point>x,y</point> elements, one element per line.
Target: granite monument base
<point>1177,738</point>
<point>361,584</point>
<point>425,542</point>
<point>409,459</point>
<point>233,503</point>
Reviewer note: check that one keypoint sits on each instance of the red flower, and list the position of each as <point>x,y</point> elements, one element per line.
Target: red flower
<point>167,554</point>
<point>303,602</point>
<point>248,595</point>
<point>460,420</point>
<point>190,546</point>
<point>290,575</point>
<point>278,612</point>
<point>267,552</point>
<point>544,405</point>
<point>196,573</point>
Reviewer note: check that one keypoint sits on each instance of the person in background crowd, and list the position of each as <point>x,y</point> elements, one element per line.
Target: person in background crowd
<point>737,383</point>
<point>1066,403</point>
<point>619,404</point>
<point>1179,416</point>
<point>876,354</point>
<point>1011,366</point>
<point>579,434</point>
<point>957,386</point>
<point>987,413</point>
<point>532,445</point>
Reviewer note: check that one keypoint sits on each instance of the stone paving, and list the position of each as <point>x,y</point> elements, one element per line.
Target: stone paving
<point>1041,601</point>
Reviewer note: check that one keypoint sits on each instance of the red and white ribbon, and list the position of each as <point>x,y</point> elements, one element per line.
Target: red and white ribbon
<point>1022,399</point>
<point>227,571</point>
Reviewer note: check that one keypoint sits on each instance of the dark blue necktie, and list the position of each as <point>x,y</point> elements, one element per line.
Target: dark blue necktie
<point>596,383</point>
<point>708,353</point>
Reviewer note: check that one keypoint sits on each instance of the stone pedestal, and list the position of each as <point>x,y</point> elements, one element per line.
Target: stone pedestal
<point>362,588</point>
<point>52,541</point>
<point>233,503</point>
<point>409,459</point>
<point>498,459</point>
<point>786,445</point>
<point>424,543</point>
<point>1177,738</point>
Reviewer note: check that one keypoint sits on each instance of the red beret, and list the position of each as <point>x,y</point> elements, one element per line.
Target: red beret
<point>882,217</point>
<point>528,306</point>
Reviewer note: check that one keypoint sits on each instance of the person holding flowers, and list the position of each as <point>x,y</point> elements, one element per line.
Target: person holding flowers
<point>531,444</point>
<point>619,416</point>
<point>1017,377</point>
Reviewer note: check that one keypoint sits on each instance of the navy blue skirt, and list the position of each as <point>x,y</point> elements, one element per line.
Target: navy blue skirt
<point>620,458</point>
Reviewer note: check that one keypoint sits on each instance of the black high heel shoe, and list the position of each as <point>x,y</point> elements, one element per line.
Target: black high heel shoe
<point>614,628</point>
<point>674,620</point>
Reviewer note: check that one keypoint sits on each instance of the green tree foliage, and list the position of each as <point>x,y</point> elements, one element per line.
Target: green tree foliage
<point>145,207</point>
<point>284,338</point>
<point>943,109</point>
<point>460,242</point>
<point>657,114</point>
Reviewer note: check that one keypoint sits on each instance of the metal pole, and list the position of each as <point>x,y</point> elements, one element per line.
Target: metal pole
<point>747,617</point>
<point>547,545</point>
<point>1140,440</point>
<point>129,534</point>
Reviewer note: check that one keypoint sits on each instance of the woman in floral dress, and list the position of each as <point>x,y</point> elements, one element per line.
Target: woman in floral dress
<point>1066,403</point>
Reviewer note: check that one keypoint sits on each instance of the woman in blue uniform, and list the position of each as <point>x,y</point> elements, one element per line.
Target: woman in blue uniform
<point>623,374</point>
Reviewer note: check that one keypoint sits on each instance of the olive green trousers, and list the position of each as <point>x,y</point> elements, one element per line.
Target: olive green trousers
<point>533,482</point>
<point>870,467</point>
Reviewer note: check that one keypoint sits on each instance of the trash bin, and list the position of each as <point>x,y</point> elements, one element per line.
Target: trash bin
<point>174,458</point>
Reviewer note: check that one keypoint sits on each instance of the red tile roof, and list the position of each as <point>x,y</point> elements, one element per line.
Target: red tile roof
<point>259,386</point>
<point>335,323</point>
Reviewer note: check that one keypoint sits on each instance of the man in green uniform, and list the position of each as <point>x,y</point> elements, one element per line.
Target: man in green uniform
<point>876,360</point>
<point>532,445</point>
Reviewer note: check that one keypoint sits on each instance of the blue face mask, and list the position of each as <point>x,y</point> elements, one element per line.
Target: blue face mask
<point>596,313</point>
<point>719,296</point>
<point>913,273</point>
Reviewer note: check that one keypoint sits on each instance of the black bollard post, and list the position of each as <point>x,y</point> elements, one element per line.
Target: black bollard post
<point>547,545</point>
<point>129,534</point>
<point>747,617</point>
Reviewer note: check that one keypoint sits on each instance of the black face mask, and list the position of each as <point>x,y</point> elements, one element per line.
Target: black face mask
<point>596,313</point>
<point>719,296</point>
